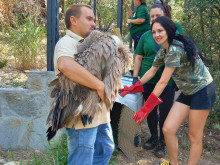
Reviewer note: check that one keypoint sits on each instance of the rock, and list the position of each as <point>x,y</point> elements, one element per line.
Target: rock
<point>2,161</point>
<point>23,113</point>
<point>12,163</point>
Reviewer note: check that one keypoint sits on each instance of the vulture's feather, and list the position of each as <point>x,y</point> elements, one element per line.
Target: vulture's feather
<point>104,58</point>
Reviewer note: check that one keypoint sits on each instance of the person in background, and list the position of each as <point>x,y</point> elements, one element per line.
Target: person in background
<point>144,55</point>
<point>93,143</point>
<point>139,21</point>
<point>183,62</point>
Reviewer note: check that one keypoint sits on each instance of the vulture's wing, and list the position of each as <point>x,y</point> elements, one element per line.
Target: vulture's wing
<point>105,58</point>
<point>113,79</point>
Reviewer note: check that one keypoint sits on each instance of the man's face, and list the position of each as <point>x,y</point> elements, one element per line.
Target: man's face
<point>85,23</point>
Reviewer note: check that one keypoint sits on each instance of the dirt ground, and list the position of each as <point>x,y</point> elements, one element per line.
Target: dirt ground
<point>210,155</point>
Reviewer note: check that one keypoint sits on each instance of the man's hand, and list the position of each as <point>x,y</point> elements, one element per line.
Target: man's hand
<point>101,92</point>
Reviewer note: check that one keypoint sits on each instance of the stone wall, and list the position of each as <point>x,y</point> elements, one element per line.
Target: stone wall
<point>23,113</point>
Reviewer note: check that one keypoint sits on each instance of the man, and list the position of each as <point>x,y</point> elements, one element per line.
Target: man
<point>93,143</point>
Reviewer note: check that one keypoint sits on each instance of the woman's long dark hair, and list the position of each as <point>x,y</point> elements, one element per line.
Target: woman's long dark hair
<point>189,46</point>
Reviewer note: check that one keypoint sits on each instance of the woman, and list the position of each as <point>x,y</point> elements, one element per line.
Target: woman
<point>140,20</point>
<point>144,55</point>
<point>184,62</point>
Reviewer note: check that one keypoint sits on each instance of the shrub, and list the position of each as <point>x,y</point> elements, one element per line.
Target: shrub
<point>15,9</point>
<point>3,63</point>
<point>25,42</point>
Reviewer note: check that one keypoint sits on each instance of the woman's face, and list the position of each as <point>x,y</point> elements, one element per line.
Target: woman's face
<point>160,34</point>
<point>156,12</point>
<point>137,3</point>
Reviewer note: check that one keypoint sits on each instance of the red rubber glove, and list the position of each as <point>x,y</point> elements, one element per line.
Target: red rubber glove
<point>137,87</point>
<point>149,105</point>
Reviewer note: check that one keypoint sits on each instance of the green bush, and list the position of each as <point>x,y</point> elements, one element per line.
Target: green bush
<point>215,113</point>
<point>200,20</point>
<point>56,153</point>
<point>25,42</point>
<point>106,14</point>
<point>3,63</point>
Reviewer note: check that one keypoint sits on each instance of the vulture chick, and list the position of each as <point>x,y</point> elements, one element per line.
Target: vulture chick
<point>105,57</point>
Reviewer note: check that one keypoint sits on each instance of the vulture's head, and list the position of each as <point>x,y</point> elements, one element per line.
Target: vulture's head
<point>124,51</point>
<point>117,40</point>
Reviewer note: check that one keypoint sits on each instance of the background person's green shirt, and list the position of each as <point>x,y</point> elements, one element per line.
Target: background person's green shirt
<point>140,12</point>
<point>179,28</point>
<point>146,47</point>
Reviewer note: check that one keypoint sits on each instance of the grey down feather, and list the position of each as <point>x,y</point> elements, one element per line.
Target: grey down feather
<point>104,58</point>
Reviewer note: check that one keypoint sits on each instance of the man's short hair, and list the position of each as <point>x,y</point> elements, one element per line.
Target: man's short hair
<point>74,10</point>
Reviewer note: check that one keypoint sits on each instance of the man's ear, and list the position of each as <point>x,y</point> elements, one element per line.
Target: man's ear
<point>73,20</point>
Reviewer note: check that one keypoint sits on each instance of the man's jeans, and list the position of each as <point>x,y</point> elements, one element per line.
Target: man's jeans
<point>92,146</point>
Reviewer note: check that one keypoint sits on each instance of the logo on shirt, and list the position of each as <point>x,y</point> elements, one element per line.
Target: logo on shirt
<point>134,14</point>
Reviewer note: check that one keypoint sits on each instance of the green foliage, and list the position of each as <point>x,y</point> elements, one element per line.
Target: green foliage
<point>177,11</point>
<point>216,126</point>
<point>12,155</point>
<point>201,20</point>
<point>59,150</point>
<point>25,42</point>
<point>17,84</point>
<point>215,113</point>
<point>56,153</point>
<point>10,10</point>
<point>113,160</point>
<point>71,2</point>
<point>3,63</point>
<point>106,14</point>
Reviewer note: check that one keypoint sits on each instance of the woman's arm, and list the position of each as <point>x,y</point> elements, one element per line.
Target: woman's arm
<point>149,74</point>
<point>130,12</point>
<point>137,64</point>
<point>136,21</point>
<point>162,83</point>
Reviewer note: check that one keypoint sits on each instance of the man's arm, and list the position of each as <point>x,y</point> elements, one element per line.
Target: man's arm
<point>75,72</point>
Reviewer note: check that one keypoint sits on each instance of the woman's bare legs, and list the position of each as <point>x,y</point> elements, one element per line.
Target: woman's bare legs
<point>178,113</point>
<point>197,120</point>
